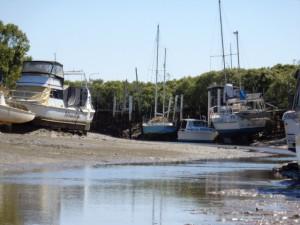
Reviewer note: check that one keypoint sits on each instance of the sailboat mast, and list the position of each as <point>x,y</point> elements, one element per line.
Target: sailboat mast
<point>222,40</point>
<point>236,33</point>
<point>156,71</point>
<point>164,91</point>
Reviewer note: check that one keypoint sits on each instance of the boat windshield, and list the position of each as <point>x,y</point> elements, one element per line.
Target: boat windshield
<point>199,123</point>
<point>43,67</point>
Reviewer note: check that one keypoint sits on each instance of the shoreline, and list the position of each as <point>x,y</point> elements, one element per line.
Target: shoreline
<point>43,149</point>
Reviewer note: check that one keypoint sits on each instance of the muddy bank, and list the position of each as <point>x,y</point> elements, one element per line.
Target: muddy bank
<point>245,207</point>
<point>51,149</point>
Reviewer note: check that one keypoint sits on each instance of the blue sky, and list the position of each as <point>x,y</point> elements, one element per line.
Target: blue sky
<point>113,37</point>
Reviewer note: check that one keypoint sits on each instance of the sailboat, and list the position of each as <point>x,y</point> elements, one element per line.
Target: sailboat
<point>159,126</point>
<point>233,112</point>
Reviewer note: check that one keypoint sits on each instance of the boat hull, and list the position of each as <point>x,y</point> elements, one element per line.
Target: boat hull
<point>233,125</point>
<point>297,148</point>
<point>292,128</point>
<point>10,115</point>
<point>204,135</point>
<point>65,116</point>
<point>158,129</point>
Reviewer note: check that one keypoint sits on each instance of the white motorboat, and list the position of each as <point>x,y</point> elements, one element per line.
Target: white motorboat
<point>12,113</point>
<point>230,110</point>
<point>291,118</point>
<point>234,114</point>
<point>194,130</point>
<point>41,89</point>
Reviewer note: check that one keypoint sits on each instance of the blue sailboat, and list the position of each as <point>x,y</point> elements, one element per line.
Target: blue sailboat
<point>159,127</point>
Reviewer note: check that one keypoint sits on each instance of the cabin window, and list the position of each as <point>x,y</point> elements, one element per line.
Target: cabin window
<point>58,70</point>
<point>198,123</point>
<point>38,67</point>
<point>56,94</point>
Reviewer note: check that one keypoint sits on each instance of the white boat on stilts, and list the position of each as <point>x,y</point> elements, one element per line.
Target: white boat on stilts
<point>194,130</point>
<point>41,89</point>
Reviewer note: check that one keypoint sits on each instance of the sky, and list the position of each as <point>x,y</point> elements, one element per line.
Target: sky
<point>109,38</point>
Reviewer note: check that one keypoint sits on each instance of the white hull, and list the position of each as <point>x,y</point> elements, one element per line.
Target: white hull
<point>230,123</point>
<point>69,115</point>
<point>10,115</point>
<point>291,127</point>
<point>197,136</point>
<point>298,147</point>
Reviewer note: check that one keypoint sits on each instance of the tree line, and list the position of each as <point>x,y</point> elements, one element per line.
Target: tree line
<point>277,84</point>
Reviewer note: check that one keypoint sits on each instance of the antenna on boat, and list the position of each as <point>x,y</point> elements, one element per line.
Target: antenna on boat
<point>156,71</point>
<point>222,40</point>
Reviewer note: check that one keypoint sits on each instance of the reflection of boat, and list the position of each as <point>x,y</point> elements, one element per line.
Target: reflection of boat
<point>194,130</point>
<point>235,113</point>
<point>41,90</point>
<point>11,113</point>
<point>291,118</point>
<point>158,126</point>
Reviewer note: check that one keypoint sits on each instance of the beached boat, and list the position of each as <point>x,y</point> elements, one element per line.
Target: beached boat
<point>159,126</point>
<point>291,118</point>
<point>12,113</point>
<point>235,114</point>
<point>231,111</point>
<point>194,130</point>
<point>41,90</point>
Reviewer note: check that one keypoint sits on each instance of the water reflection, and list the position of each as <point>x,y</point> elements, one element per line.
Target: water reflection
<point>124,195</point>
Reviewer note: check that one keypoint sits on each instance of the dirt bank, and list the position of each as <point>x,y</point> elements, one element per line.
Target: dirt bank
<point>50,149</point>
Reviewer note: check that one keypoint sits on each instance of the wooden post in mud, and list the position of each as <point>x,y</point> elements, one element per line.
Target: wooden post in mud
<point>181,106</point>
<point>114,106</point>
<point>175,107</point>
<point>208,108</point>
<point>169,107</point>
<point>219,99</point>
<point>130,114</point>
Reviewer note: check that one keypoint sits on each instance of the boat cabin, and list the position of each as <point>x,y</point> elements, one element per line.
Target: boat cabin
<point>192,124</point>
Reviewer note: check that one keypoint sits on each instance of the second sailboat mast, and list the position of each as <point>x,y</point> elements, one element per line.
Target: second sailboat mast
<point>222,40</point>
<point>156,71</point>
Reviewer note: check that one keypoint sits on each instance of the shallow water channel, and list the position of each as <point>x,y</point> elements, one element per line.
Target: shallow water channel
<point>130,194</point>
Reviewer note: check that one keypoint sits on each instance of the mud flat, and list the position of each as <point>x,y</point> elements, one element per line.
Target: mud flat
<point>50,149</point>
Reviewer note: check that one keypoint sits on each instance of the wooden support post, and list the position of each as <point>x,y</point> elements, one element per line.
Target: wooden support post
<point>181,106</point>
<point>169,107</point>
<point>114,106</point>
<point>175,107</point>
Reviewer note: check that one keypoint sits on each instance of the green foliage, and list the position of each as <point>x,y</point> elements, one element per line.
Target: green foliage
<point>276,83</point>
<point>13,47</point>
